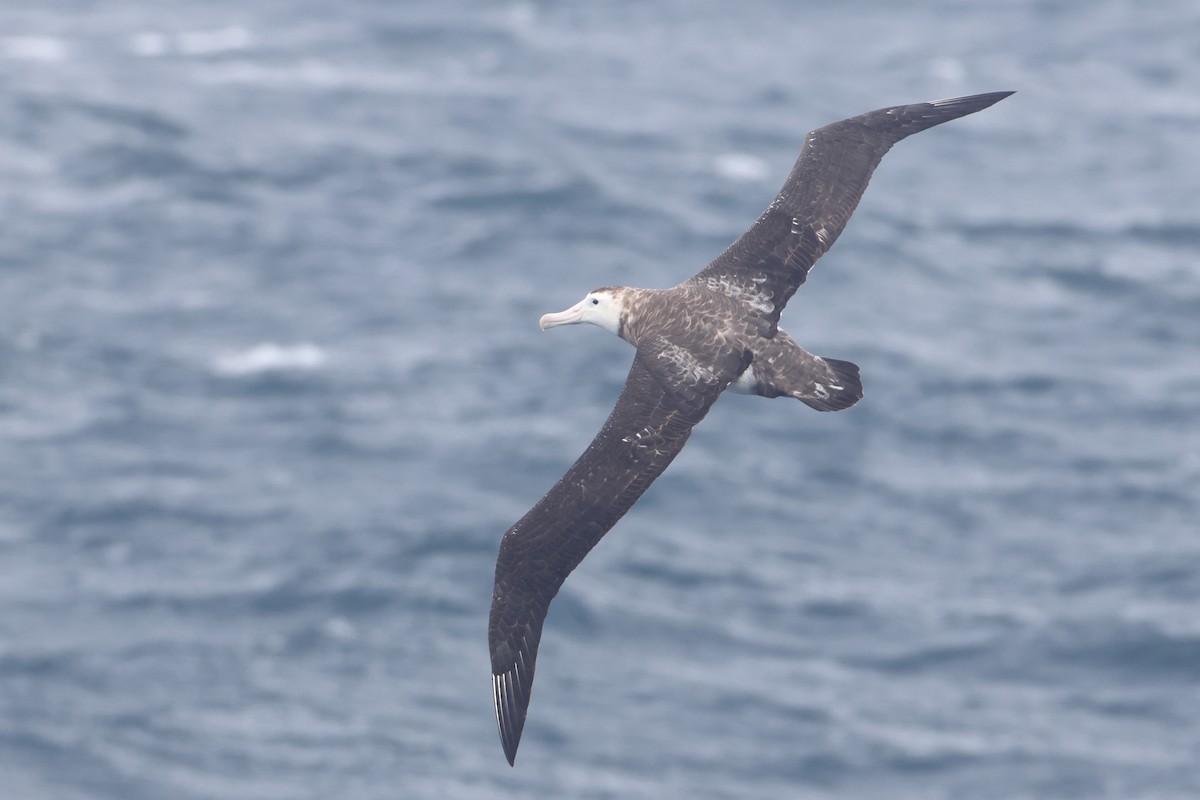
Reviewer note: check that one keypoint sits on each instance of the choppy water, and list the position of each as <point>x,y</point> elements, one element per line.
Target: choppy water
<point>271,388</point>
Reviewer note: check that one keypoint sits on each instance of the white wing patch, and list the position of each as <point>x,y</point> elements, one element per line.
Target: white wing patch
<point>684,366</point>
<point>822,232</point>
<point>752,295</point>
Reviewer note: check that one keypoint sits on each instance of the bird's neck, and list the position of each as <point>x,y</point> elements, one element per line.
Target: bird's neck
<point>636,312</point>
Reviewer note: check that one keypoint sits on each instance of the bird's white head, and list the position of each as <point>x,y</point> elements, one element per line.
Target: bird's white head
<point>601,307</point>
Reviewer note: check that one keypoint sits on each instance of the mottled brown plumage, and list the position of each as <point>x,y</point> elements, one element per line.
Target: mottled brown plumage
<point>718,329</point>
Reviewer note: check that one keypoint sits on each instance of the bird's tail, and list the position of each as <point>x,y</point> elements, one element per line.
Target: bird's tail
<point>842,392</point>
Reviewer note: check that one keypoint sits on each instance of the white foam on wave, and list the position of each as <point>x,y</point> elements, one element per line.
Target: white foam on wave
<point>218,41</point>
<point>150,44</point>
<point>947,69</point>
<point>270,357</point>
<point>33,48</point>
<point>313,73</point>
<point>740,167</point>
<point>339,628</point>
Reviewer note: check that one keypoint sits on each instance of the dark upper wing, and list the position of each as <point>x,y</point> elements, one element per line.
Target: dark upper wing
<point>770,260</point>
<point>649,426</point>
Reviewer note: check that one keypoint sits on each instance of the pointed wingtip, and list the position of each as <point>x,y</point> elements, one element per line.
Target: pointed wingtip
<point>513,649</point>
<point>972,103</point>
<point>511,704</point>
<point>922,116</point>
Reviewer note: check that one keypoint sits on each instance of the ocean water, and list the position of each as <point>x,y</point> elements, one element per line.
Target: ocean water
<point>272,388</point>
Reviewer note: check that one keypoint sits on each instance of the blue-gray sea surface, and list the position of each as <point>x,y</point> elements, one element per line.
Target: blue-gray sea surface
<point>272,388</point>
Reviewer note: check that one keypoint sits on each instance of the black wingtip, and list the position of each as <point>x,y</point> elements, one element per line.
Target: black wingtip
<point>970,103</point>
<point>510,691</point>
<point>514,655</point>
<point>899,122</point>
<point>510,712</point>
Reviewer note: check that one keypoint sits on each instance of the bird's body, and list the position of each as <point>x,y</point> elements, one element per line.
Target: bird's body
<point>717,330</point>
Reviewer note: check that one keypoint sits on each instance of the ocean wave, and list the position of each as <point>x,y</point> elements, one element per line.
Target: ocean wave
<point>231,38</point>
<point>34,48</point>
<point>318,74</point>
<point>741,167</point>
<point>1139,650</point>
<point>269,357</point>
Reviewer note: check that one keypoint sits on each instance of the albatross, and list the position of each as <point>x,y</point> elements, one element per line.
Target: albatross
<point>714,331</point>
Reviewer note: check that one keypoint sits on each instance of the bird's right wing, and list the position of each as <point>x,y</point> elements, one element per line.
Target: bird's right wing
<point>652,420</point>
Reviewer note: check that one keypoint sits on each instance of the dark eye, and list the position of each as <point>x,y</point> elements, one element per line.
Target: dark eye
<point>595,301</point>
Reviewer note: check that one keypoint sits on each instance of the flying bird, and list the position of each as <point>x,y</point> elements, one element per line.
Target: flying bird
<point>714,331</point>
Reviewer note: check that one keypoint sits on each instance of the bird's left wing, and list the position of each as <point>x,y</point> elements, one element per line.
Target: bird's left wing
<point>769,261</point>
<point>662,400</point>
